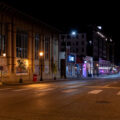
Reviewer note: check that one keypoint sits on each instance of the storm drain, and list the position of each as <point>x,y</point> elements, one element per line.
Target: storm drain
<point>103,102</point>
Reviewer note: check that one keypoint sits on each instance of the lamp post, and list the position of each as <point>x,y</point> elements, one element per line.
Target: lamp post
<point>1,67</point>
<point>41,58</point>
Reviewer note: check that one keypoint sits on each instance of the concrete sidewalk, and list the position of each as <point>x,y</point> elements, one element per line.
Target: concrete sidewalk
<point>67,79</point>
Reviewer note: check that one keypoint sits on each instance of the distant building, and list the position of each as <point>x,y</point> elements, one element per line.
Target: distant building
<point>90,48</point>
<point>100,47</point>
<point>77,44</point>
<point>21,39</point>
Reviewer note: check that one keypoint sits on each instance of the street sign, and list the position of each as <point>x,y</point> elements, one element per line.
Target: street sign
<point>1,68</point>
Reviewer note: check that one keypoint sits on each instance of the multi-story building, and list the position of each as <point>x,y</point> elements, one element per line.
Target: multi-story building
<point>76,43</point>
<point>75,46</point>
<point>101,48</point>
<point>91,48</point>
<point>21,39</point>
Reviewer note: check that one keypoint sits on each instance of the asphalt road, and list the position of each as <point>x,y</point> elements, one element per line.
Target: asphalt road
<point>65,100</point>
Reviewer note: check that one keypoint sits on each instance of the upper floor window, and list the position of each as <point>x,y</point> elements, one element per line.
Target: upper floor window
<point>37,41</point>
<point>2,39</point>
<point>47,47</point>
<point>68,37</point>
<point>68,43</point>
<point>83,50</point>
<point>77,43</point>
<point>21,44</point>
<point>62,36</point>
<point>83,36</point>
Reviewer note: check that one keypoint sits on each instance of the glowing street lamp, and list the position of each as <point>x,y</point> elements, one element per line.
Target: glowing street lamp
<point>73,33</point>
<point>41,58</point>
<point>4,54</point>
<point>99,27</point>
<point>41,54</point>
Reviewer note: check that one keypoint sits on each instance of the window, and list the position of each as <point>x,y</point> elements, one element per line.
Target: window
<point>82,43</point>
<point>83,36</point>
<point>73,51</point>
<point>76,50</point>
<point>47,47</point>
<point>63,43</point>
<point>2,40</point>
<point>77,37</point>
<point>62,36</point>
<point>68,43</point>
<point>21,44</point>
<point>77,43</point>
<point>68,36</point>
<point>82,49</point>
<point>37,40</point>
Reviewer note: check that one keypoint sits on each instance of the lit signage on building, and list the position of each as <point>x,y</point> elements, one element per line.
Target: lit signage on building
<point>71,58</point>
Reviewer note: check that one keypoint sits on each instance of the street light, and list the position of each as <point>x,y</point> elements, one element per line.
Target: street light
<point>99,27</point>
<point>41,58</point>
<point>4,54</point>
<point>2,67</point>
<point>74,33</point>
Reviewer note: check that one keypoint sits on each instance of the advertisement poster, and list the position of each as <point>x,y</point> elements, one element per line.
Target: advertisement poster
<point>22,66</point>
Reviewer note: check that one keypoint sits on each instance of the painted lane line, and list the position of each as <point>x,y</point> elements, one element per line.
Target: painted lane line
<point>5,89</point>
<point>95,91</point>
<point>21,90</point>
<point>69,90</point>
<point>118,93</point>
<point>45,90</point>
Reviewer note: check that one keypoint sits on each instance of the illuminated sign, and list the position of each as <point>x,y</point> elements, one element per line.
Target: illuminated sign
<point>71,58</point>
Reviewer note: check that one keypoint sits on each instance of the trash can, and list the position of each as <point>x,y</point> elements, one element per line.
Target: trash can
<point>34,78</point>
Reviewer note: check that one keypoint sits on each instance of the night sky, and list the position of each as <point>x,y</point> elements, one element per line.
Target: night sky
<point>74,15</point>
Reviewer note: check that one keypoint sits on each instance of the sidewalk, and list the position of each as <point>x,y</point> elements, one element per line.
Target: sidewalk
<point>32,82</point>
<point>67,79</point>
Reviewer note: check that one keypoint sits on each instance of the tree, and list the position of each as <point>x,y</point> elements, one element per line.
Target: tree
<point>54,70</point>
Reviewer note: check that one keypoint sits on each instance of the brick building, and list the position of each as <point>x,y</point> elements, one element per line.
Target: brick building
<point>21,39</point>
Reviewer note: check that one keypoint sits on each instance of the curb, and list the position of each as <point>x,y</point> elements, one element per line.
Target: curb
<point>1,83</point>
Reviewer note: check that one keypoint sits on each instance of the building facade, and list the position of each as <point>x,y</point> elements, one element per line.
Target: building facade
<point>21,39</point>
<point>76,44</point>
<point>93,51</point>
<point>101,48</point>
<point>74,48</point>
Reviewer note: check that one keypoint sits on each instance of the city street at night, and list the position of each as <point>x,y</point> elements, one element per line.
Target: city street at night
<point>59,60</point>
<point>62,100</point>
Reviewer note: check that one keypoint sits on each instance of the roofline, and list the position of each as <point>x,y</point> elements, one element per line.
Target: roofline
<point>28,16</point>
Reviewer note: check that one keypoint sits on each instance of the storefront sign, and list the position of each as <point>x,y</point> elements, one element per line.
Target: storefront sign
<point>71,58</point>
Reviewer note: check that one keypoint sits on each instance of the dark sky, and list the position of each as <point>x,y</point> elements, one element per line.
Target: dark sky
<point>74,14</point>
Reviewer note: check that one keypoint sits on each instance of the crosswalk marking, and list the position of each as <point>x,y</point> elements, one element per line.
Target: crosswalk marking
<point>69,90</point>
<point>95,91</point>
<point>20,90</point>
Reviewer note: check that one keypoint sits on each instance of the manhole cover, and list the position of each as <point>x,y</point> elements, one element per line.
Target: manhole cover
<point>103,102</point>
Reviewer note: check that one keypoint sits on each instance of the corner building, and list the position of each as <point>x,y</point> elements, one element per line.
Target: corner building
<point>21,39</point>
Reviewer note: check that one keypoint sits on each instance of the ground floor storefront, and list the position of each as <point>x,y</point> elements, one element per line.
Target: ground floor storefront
<point>24,71</point>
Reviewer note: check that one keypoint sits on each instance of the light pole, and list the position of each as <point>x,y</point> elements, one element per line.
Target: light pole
<point>1,67</point>
<point>41,58</point>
